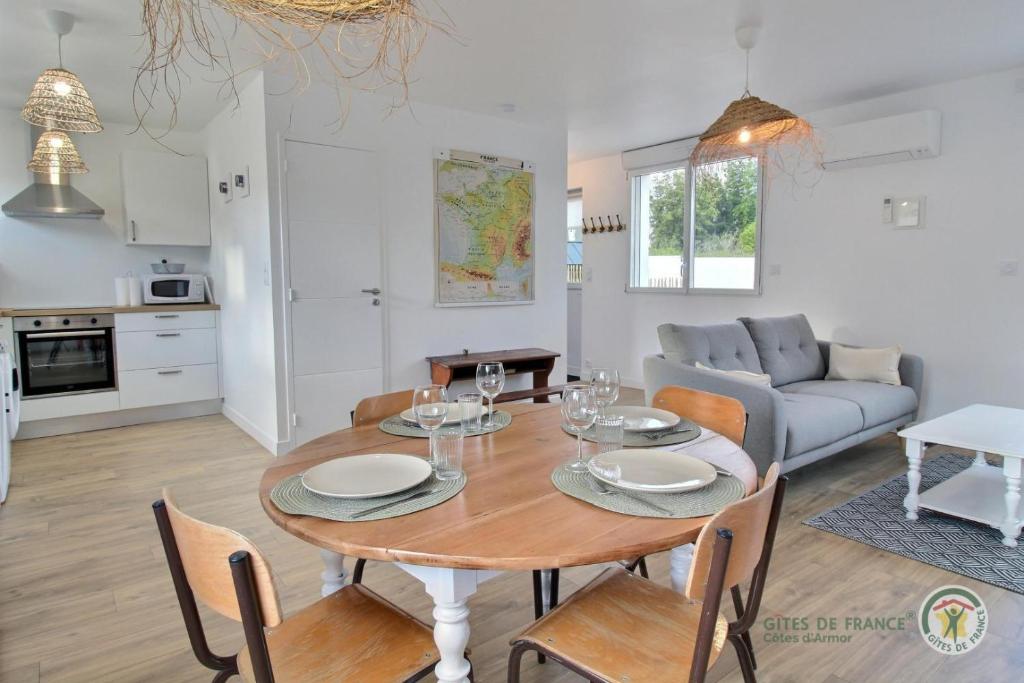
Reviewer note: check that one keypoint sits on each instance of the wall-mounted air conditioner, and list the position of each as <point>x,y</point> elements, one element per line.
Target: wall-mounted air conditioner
<point>883,141</point>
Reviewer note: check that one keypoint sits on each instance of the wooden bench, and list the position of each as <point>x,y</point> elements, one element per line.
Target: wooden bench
<point>522,395</point>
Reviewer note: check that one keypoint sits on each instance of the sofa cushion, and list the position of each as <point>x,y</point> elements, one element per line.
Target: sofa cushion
<point>723,347</point>
<point>816,421</point>
<point>786,348</point>
<point>878,403</point>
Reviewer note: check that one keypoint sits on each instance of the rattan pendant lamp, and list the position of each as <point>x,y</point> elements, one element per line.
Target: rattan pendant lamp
<point>751,126</point>
<point>58,100</point>
<point>56,154</point>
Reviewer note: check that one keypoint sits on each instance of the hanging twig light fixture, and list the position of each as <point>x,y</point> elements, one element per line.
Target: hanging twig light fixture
<point>365,44</point>
<point>58,100</point>
<point>751,126</point>
<point>56,154</point>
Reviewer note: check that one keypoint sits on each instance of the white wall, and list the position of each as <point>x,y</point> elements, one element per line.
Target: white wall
<point>72,262</point>
<point>574,331</point>
<point>405,142</point>
<point>936,291</point>
<point>240,265</point>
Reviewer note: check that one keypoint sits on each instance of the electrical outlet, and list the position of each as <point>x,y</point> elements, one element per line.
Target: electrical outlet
<point>1009,267</point>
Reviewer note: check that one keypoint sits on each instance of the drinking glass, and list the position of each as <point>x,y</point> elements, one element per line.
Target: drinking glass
<point>609,432</point>
<point>606,387</point>
<point>490,378</point>
<point>471,408</point>
<point>449,453</point>
<point>579,410</point>
<point>430,403</point>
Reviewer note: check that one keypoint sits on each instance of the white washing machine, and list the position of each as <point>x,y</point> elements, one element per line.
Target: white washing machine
<point>10,414</point>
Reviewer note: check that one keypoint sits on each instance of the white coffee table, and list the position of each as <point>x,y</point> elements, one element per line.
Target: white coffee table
<point>980,493</point>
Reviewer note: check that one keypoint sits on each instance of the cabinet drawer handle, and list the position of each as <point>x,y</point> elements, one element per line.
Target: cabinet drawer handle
<point>168,334</point>
<point>165,315</point>
<point>168,372</point>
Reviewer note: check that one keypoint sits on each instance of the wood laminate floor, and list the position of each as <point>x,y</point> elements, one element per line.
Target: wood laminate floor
<point>85,594</point>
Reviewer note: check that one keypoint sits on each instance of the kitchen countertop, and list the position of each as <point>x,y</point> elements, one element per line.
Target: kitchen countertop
<point>90,310</point>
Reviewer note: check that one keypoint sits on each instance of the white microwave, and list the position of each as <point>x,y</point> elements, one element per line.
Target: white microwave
<point>174,289</point>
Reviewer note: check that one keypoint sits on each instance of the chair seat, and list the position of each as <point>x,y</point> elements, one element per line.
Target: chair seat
<point>625,629</point>
<point>351,635</point>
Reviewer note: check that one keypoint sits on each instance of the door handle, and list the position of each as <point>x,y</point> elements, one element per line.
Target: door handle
<point>375,291</point>
<point>133,231</point>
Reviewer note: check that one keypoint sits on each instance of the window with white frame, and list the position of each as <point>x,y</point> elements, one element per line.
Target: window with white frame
<point>574,239</point>
<point>696,230</point>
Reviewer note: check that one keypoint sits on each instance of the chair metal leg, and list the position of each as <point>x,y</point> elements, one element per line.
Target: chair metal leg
<point>538,605</point>
<point>643,567</point>
<point>357,573</point>
<point>223,676</point>
<point>737,602</point>
<point>746,658</point>
<point>515,659</point>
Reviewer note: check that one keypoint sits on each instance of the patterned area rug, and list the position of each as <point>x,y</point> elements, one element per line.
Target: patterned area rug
<point>877,518</point>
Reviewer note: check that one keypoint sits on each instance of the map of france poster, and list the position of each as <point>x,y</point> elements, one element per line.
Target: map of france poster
<point>484,208</point>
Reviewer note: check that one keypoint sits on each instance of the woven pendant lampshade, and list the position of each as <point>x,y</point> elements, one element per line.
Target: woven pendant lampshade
<point>59,101</point>
<point>55,153</point>
<point>752,127</point>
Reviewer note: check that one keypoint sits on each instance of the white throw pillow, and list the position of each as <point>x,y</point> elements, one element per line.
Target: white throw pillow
<point>866,365</point>
<point>742,375</point>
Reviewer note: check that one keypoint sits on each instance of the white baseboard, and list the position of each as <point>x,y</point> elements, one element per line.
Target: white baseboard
<point>262,438</point>
<point>119,418</point>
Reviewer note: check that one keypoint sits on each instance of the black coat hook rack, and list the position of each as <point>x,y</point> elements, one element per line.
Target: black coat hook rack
<point>599,226</point>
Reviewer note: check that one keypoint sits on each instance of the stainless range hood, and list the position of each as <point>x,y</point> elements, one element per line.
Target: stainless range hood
<point>51,196</point>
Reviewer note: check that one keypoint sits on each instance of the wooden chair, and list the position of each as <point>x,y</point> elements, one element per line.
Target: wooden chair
<point>351,635</point>
<point>722,414</point>
<point>623,628</point>
<point>373,409</point>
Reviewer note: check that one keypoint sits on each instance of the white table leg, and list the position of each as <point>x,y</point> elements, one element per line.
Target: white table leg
<point>679,561</point>
<point>334,575</point>
<point>915,449</point>
<point>450,589</point>
<point>1011,524</point>
<point>979,459</point>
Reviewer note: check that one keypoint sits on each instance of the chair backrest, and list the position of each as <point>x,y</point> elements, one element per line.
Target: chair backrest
<point>723,414</point>
<point>748,520</point>
<point>373,409</point>
<point>204,550</point>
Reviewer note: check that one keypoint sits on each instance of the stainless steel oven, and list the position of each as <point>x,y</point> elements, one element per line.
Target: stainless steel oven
<point>72,354</point>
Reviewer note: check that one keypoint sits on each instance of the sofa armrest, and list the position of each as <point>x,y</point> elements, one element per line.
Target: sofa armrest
<point>911,367</point>
<point>765,440</point>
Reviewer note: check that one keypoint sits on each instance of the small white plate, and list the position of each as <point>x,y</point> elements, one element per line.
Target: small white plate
<point>652,471</point>
<point>454,415</point>
<point>641,419</point>
<point>366,476</point>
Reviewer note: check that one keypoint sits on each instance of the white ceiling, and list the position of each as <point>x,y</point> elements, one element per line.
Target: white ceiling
<point>619,74</point>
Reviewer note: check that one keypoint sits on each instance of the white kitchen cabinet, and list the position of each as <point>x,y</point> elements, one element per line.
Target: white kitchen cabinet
<point>163,386</point>
<point>164,320</point>
<point>166,357</point>
<point>166,348</point>
<point>166,199</point>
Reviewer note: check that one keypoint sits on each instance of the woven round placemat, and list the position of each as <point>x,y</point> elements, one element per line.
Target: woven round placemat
<point>292,497</point>
<point>683,432</point>
<point>706,501</point>
<point>399,427</point>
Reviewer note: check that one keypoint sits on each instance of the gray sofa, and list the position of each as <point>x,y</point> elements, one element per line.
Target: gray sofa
<point>801,417</point>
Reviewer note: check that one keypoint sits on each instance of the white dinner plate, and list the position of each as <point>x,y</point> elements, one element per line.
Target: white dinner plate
<point>366,476</point>
<point>652,471</point>
<point>641,419</point>
<point>454,415</point>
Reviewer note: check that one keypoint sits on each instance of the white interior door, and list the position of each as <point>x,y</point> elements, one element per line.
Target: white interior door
<point>334,258</point>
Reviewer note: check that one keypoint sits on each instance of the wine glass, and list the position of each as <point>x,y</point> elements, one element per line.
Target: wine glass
<point>579,410</point>
<point>490,378</point>
<point>606,387</point>
<point>430,404</point>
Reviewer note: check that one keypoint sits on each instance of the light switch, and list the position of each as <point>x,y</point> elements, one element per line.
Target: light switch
<point>1009,267</point>
<point>908,212</point>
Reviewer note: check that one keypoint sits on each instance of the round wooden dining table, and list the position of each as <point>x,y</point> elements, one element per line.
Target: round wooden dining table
<point>509,517</point>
